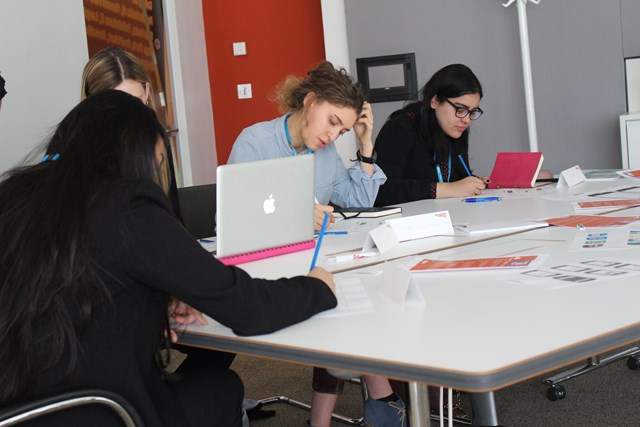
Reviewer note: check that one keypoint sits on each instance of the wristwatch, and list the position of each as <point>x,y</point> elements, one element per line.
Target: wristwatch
<point>371,160</point>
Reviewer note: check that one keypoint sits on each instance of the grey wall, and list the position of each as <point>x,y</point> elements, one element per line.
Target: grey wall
<point>577,66</point>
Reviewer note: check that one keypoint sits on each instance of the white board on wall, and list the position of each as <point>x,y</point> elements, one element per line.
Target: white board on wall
<point>632,74</point>
<point>42,54</point>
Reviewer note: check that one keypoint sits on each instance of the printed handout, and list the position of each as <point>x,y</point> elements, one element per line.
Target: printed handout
<point>601,239</point>
<point>564,275</point>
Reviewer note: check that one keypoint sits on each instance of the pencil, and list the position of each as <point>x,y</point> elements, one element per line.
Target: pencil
<point>464,165</point>
<point>320,236</point>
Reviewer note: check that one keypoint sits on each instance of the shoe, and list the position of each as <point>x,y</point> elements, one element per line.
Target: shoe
<point>385,414</point>
<point>257,413</point>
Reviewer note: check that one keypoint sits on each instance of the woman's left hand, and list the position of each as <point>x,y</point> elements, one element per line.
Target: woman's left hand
<point>180,312</point>
<point>364,129</point>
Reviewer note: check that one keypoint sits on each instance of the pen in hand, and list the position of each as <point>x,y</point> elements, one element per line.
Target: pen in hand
<point>320,236</point>
<point>464,165</point>
<point>466,168</point>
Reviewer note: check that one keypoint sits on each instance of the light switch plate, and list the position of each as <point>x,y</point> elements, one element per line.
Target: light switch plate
<point>244,91</point>
<point>239,48</point>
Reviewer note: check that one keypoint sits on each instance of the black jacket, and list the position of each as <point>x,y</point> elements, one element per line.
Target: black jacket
<point>144,255</point>
<point>408,161</point>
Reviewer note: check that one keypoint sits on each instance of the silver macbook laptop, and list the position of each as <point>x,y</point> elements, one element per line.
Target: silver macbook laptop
<point>264,204</point>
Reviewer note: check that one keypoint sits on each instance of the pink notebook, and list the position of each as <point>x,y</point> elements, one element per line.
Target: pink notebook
<point>267,253</point>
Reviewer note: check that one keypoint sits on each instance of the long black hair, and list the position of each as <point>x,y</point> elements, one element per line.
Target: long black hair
<point>451,81</point>
<point>47,280</point>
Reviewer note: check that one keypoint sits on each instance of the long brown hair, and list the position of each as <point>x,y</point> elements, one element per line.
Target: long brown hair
<point>110,67</point>
<point>48,280</point>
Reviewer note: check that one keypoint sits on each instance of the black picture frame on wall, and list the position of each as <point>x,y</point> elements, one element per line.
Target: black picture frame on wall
<point>388,78</point>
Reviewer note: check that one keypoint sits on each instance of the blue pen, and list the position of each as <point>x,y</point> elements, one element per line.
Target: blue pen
<point>333,232</point>
<point>481,199</point>
<point>206,241</point>
<point>320,236</point>
<point>464,165</point>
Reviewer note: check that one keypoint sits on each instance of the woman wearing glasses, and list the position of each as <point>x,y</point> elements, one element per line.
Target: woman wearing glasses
<point>423,147</point>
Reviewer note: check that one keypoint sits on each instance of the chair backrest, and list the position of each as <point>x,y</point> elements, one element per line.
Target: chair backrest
<point>32,410</point>
<point>198,207</point>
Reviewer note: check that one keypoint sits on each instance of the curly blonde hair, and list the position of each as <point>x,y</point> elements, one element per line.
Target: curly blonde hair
<point>327,83</point>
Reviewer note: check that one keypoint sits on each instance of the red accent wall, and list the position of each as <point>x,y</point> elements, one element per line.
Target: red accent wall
<point>283,37</point>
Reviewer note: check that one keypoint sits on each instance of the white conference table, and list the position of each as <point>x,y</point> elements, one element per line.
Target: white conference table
<point>475,332</point>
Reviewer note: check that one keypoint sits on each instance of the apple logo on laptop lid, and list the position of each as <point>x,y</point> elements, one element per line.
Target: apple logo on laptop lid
<point>269,205</point>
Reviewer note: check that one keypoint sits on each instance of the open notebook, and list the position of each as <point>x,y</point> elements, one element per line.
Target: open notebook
<point>265,208</point>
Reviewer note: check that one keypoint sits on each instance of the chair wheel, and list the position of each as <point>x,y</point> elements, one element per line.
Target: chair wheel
<point>633,362</point>
<point>556,392</point>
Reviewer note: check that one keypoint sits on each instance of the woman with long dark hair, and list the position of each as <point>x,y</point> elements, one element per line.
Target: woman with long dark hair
<point>91,252</point>
<point>423,148</point>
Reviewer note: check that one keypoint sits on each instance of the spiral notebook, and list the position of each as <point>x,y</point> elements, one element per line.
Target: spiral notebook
<point>265,208</point>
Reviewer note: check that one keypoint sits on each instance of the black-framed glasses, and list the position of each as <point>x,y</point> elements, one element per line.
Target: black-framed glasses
<point>462,111</point>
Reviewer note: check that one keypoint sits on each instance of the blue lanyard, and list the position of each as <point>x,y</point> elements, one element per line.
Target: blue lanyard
<point>286,131</point>
<point>440,172</point>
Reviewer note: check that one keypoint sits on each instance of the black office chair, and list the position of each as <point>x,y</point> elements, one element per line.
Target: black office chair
<point>198,208</point>
<point>38,409</point>
<point>348,376</point>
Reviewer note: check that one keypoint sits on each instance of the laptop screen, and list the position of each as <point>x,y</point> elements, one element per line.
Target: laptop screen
<point>264,204</point>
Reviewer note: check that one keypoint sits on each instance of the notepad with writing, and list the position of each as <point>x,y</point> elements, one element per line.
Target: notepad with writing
<point>374,212</point>
<point>516,170</point>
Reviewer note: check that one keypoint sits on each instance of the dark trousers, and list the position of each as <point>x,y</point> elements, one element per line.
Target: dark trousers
<point>209,393</point>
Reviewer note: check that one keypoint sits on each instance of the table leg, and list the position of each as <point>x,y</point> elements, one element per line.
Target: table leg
<point>484,409</point>
<point>419,404</point>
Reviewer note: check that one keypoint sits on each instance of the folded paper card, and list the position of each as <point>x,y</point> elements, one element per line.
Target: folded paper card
<point>397,230</point>
<point>400,286</point>
<point>419,226</point>
<point>516,170</point>
<point>570,177</point>
<point>381,237</point>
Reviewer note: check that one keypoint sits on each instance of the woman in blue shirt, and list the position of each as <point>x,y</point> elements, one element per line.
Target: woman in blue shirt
<point>320,108</point>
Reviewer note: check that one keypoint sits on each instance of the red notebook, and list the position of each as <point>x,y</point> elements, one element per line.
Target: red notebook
<point>516,170</point>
